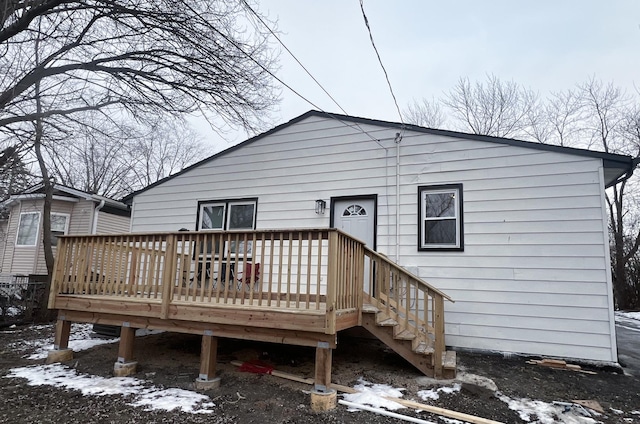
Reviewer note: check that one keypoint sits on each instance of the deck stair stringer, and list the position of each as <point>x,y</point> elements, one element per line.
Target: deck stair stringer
<point>415,347</point>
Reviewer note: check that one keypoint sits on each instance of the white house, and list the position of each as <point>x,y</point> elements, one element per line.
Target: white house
<point>515,232</point>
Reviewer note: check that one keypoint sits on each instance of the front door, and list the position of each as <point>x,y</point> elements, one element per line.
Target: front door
<point>356,217</point>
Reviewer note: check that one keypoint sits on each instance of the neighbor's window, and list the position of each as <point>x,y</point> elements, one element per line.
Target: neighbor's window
<point>440,217</point>
<point>59,226</point>
<point>28,229</point>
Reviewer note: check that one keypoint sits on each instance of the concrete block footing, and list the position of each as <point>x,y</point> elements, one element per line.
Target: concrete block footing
<point>202,384</point>
<point>323,401</point>
<point>59,355</point>
<point>124,369</point>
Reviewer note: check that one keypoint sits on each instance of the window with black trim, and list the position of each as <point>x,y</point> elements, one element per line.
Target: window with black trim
<point>227,214</point>
<point>440,217</point>
<point>237,214</point>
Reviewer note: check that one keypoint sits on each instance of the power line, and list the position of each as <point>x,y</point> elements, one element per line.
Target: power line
<point>356,125</point>
<point>366,22</point>
<point>293,56</point>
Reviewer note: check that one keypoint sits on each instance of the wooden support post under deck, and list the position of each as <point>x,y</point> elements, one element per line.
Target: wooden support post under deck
<point>323,398</point>
<point>208,357</point>
<point>63,331</point>
<point>61,351</point>
<point>125,365</point>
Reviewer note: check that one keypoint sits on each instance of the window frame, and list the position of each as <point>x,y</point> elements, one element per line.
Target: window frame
<point>226,203</point>
<point>67,218</point>
<point>459,217</point>
<point>35,243</point>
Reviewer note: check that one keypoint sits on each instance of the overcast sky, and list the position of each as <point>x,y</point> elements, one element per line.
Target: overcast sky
<point>426,46</point>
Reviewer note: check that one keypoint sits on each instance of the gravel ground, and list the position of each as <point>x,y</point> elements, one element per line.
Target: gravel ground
<point>172,360</point>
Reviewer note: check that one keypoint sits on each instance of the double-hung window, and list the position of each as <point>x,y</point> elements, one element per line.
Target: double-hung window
<point>228,215</point>
<point>28,229</point>
<point>59,226</point>
<point>440,217</point>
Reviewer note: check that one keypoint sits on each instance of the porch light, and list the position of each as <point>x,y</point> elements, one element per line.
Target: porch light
<point>321,206</point>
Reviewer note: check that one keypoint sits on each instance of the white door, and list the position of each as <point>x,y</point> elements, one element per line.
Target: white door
<point>357,218</point>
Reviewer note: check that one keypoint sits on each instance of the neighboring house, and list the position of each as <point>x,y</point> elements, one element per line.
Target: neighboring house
<point>72,212</point>
<point>515,232</point>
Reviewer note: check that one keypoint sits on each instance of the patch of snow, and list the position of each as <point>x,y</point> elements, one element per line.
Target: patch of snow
<point>434,394</point>
<point>616,411</point>
<point>635,412</point>
<point>373,395</point>
<point>149,397</point>
<point>628,315</point>
<point>79,339</point>
<point>543,412</point>
<point>12,311</point>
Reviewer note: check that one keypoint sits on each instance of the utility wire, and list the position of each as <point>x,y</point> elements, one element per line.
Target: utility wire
<point>293,56</point>
<point>356,125</point>
<point>366,22</point>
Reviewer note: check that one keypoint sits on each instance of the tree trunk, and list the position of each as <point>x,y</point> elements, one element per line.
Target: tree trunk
<point>44,314</point>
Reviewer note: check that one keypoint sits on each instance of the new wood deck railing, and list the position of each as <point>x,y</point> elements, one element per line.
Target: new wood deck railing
<point>322,272</point>
<point>305,270</point>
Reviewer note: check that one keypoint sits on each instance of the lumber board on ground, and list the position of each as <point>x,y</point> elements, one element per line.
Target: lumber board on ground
<point>408,403</point>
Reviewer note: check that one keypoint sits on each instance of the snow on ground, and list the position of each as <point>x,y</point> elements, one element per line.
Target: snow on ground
<point>628,315</point>
<point>137,391</point>
<point>435,393</point>
<point>374,395</point>
<point>529,410</point>
<point>79,339</point>
<point>545,413</point>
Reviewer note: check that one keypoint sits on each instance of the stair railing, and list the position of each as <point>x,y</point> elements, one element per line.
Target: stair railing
<point>415,305</point>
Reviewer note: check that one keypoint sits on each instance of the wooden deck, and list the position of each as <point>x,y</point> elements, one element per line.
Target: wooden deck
<point>297,287</point>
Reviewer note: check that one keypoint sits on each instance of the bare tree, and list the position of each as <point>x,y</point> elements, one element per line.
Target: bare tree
<point>426,113</point>
<point>613,125</point>
<point>115,160</point>
<point>496,108</point>
<point>152,57</point>
<point>165,149</point>
<point>60,59</point>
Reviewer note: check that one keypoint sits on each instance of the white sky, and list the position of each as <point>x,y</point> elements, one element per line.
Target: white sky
<point>428,45</point>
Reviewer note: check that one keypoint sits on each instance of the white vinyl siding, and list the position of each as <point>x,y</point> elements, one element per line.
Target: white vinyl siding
<point>109,223</point>
<point>533,276</point>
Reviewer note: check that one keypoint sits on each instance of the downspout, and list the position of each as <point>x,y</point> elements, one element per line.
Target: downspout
<point>94,228</point>
<point>397,140</point>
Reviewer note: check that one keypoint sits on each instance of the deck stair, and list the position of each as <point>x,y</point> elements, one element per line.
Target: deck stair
<point>417,349</point>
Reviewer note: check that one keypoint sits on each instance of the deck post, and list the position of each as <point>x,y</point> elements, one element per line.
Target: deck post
<point>170,262</point>
<point>438,324</point>
<point>125,365</point>
<point>322,397</point>
<point>208,357</point>
<point>332,282</point>
<point>61,351</point>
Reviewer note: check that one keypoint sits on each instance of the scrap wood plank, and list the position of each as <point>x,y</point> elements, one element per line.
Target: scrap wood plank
<point>558,364</point>
<point>408,403</point>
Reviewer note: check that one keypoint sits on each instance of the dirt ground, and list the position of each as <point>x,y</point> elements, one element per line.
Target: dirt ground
<point>172,360</point>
